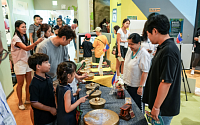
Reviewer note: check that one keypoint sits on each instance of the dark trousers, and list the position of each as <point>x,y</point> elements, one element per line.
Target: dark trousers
<point>196,59</point>
<point>137,98</point>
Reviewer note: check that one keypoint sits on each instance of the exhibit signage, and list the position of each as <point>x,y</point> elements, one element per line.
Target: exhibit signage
<point>114,15</point>
<point>176,26</point>
<point>132,17</point>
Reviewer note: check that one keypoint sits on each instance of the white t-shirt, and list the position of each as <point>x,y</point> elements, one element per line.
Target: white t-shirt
<point>148,45</point>
<point>4,108</point>
<point>133,68</point>
<point>124,37</point>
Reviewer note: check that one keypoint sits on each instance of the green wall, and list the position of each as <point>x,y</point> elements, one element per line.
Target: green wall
<point>5,73</point>
<point>14,17</point>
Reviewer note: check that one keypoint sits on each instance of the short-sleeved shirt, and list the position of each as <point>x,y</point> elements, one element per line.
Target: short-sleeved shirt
<point>99,46</point>
<point>124,37</point>
<point>197,49</point>
<point>33,29</point>
<point>56,55</point>
<point>87,49</point>
<point>166,67</point>
<point>41,90</point>
<point>133,68</point>
<point>18,53</point>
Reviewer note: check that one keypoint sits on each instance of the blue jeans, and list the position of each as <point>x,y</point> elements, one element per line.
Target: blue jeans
<point>167,119</point>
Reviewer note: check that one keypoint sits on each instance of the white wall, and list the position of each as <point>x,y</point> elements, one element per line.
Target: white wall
<point>5,73</point>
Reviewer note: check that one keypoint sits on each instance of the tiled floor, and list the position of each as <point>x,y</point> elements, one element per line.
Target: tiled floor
<point>22,117</point>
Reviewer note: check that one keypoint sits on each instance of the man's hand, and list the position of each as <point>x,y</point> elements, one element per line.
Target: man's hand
<point>139,91</point>
<point>82,61</point>
<point>155,112</point>
<point>53,111</point>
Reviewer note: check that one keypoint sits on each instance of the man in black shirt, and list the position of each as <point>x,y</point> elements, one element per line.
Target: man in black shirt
<point>87,47</point>
<point>162,90</point>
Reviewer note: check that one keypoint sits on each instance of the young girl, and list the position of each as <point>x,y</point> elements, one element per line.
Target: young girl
<point>66,105</point>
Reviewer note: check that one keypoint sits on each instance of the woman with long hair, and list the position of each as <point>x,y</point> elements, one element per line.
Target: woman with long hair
<point>122,46</point>
<point>46,28</point>
<point>20,53</point>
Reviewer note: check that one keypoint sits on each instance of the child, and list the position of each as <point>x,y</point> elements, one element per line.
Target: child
<point>41,90</point>
<point>65,101</point>
<point>87,47</point>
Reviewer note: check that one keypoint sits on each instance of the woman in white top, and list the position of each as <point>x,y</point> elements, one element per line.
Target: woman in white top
<point>151,48</point>
<point>122,45</point>
<point>136,68</point>
<point>20,53</point>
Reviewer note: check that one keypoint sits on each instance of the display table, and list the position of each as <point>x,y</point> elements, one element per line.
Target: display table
<point>106,79</point>
<point>114,104</point>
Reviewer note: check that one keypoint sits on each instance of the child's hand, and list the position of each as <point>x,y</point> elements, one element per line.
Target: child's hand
<point>78,90</point>
<point>53,111</point>
<point>83,99</point>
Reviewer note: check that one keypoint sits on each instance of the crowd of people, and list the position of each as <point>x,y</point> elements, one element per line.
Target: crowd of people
<point>52,91</point>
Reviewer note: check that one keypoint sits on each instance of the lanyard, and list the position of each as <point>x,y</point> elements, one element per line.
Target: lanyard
<point>5,108</point>
<point>132,57</point>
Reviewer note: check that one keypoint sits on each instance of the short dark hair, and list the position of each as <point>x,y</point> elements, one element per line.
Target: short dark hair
<point>135,38</point>
<point>37,59</point>
<point>41,18</point>
<point>36,16</point>
<point>159,22</point>
<point>58,18</point>
<point>66,31</point>
<point>63,70</point>
<point>116,28</point>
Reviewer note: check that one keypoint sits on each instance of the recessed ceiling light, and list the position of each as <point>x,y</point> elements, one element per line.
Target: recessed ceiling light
<point>54,3</point>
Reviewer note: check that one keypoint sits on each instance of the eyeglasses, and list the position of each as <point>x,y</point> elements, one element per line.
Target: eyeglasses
<point>3,54</point>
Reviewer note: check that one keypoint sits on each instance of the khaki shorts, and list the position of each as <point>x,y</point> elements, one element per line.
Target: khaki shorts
<point>89,58</point>
<point>21,68</point>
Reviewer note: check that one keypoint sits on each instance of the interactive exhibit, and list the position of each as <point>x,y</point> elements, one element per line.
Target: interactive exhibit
<point>81,38</point>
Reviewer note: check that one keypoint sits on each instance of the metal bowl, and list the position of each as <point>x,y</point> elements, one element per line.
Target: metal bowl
<point>97,93</point>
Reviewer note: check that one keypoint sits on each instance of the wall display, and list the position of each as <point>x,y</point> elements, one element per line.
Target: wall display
<point>176,26</point>
<point>114,15</point>
<point>132,17</point>
<point>50,16</point>
<point>20,7</point>
<point>136,26</point>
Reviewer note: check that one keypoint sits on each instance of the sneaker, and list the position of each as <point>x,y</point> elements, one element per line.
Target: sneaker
<point>21,107</point>
<point>192,72</point>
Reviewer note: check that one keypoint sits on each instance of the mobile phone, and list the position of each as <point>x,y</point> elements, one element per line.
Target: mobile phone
<point>42,34</point>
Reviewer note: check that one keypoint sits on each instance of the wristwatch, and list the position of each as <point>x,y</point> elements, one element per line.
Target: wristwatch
<point>141,86</point>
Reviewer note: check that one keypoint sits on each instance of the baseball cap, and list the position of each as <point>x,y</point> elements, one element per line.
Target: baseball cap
<point>87,36</point>
<point>98,29</point>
